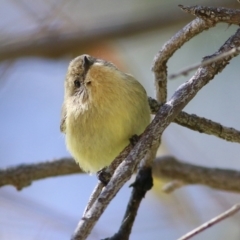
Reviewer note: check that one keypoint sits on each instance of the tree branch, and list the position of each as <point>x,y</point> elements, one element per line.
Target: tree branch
<point>56,43</point>
<point>216,14</point>
<point>208,17</point>
<point>167,167</point>
<point>185,71</point>
<point>106,174</point>
<point>215,220</point>
<point>23,175</point>
<point>170,168</point>
<point>152,135</point>
<point>169,48</point>
<point>200,124</point>
<point>141,185</point>
<point>207,126</point>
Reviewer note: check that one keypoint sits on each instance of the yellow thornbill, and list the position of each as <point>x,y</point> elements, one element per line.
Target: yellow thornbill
<point>102,109</point>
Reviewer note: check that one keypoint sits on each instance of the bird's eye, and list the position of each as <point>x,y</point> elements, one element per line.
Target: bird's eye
<point>77,83</point>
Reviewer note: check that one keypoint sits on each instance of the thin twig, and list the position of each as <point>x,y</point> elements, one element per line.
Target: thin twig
<point>185,71</point>
<point>210,223</point>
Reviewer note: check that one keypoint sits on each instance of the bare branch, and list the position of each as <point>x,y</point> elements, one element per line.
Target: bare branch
<point>208,17</point>
<point>142,184</point>
<point>23,175</point>
<point>207,126</point>
<point>200,124</point>
<point>57,43</point>
<point>108,172</point>
<point>204,63</point>
<point>216,14</point>
<point>169,48</point>
<point>93,197</point>
<point>167,167</point>
<point>124,165</point>
<point>152,136</point>
<point>213,221</point>
<point>172,169</point>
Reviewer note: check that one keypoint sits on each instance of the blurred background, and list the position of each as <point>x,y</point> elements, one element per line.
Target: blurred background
<point>37,41</point>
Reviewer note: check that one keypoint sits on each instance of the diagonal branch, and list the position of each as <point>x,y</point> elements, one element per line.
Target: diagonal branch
<point>234,209</point>
<point>185,71</point>
<point>105,176</point>
<point>143,183</point>
<point>152,136</point>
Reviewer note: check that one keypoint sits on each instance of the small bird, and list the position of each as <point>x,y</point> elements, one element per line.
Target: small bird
<point>103,108</point>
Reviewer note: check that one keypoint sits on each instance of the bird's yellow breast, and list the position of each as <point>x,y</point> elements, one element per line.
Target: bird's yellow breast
<point>99,129</point>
